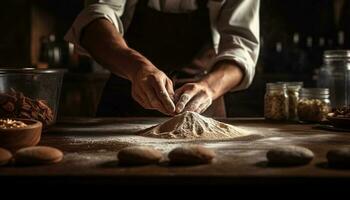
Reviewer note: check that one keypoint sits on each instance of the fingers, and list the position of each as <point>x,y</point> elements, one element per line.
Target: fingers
<point>198,103</point>
<point>192,98</point>
<point>185,97</point>
<point>153,94</point>
<point>203,107</point>
<point>153,99</point>
<point>194,104</point>
<point>145,103</point>
<point>163,94</point>
<point>170,88</point>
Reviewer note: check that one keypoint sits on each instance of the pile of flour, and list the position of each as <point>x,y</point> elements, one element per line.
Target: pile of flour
<point>191,125</point>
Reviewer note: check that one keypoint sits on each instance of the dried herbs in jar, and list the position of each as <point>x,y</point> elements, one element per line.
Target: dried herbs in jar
<point>314,104</point>
<point>276,102</point>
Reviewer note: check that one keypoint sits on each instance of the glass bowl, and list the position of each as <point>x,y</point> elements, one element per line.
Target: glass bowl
<point>30,93</point>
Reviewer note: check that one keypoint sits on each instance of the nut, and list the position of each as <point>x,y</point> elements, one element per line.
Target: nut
<point>9,123</point>
<point>15,105</point>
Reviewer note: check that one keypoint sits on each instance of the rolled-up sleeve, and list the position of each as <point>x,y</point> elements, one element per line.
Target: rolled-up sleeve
<point>111,10</point>
<point>237,25</point>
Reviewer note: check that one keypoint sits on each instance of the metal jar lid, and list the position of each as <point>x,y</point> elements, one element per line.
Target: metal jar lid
<point>315,92</point>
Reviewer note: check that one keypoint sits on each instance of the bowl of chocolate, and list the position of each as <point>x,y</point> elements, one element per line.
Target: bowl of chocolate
<point>18,133</point>
<point>29,93</point>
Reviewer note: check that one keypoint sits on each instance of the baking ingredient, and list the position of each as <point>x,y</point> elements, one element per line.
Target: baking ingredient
<point>15,105</point>
<point>313,110</point>
<point>9,123</point>
<point>276,102</point>
<point>289,155</point>
<point>191,155</point>
<point>5,156</point>
<point>139,155</point>
<point>191,125</point>
<point>339,157</point>
<point>38,155</point>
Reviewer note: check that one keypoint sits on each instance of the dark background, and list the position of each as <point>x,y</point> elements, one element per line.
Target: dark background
<point>319,25</point>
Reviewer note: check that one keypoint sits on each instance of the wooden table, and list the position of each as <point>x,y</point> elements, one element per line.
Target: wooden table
<point>90,147</point>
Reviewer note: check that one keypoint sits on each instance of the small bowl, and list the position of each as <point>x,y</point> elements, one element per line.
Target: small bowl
<point>16,138</point>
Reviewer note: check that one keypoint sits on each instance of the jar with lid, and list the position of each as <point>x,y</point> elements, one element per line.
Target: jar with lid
<point>314,104</point>
<point>335,75</point>
<point>276,102</point>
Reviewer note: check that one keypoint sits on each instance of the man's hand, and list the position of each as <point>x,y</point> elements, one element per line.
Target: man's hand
<point>152,89</point>
<point>198,96</point>
<point>195,97</point>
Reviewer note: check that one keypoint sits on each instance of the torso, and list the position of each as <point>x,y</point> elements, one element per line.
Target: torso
<point>169,41</point>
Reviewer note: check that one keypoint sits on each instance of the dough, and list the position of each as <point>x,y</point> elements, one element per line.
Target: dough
<point>5,156</point>
<point>38,155</point>
<point>191,155</point>
<point>139,155</point>
<point>289,155</point>
<point>191,125</point>
<point>339,157</point>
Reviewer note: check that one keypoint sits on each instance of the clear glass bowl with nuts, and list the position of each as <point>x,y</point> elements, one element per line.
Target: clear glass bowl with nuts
<point>30,93</point>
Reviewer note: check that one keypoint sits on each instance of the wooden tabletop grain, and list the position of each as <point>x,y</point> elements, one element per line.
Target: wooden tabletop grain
<point>90,147</point>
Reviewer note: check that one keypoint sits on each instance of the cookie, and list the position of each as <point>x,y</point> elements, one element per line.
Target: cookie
<point>191,155</point>
<point>5,156</point>
<point>139,155</point>
<point>289,155</point>
<point>38,155</point>
<point>339,157</point>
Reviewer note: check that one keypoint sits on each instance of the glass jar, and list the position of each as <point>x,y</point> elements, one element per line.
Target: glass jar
<point>314,104</point>
<point>276,102</point>
<point>293,89</point>
<point>335,75</point>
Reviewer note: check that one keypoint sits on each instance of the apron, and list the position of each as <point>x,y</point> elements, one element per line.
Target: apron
<point>170,41</point>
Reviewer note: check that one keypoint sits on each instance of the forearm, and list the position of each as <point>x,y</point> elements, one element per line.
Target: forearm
<point>225,76</point>
<point>107,47</point>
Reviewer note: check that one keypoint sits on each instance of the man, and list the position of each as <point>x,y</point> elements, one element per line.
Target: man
<point>169,56</point>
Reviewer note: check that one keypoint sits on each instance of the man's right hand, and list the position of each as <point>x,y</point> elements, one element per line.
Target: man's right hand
<point>152,89</point>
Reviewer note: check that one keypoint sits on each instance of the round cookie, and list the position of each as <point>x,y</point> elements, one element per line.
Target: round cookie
<point>339,157</point>
<point>38,155</point>
<point>139,155</point>
<point>191,155</point>
<point>289,156</point>
<point>5,156</point>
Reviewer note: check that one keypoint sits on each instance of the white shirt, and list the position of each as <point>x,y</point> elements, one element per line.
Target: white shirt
<point>234,25</point>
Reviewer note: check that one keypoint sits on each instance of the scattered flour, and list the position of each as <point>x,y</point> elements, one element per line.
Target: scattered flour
<point>191,125</point>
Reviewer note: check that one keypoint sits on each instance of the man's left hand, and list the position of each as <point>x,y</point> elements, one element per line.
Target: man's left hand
<point>196,97</point>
